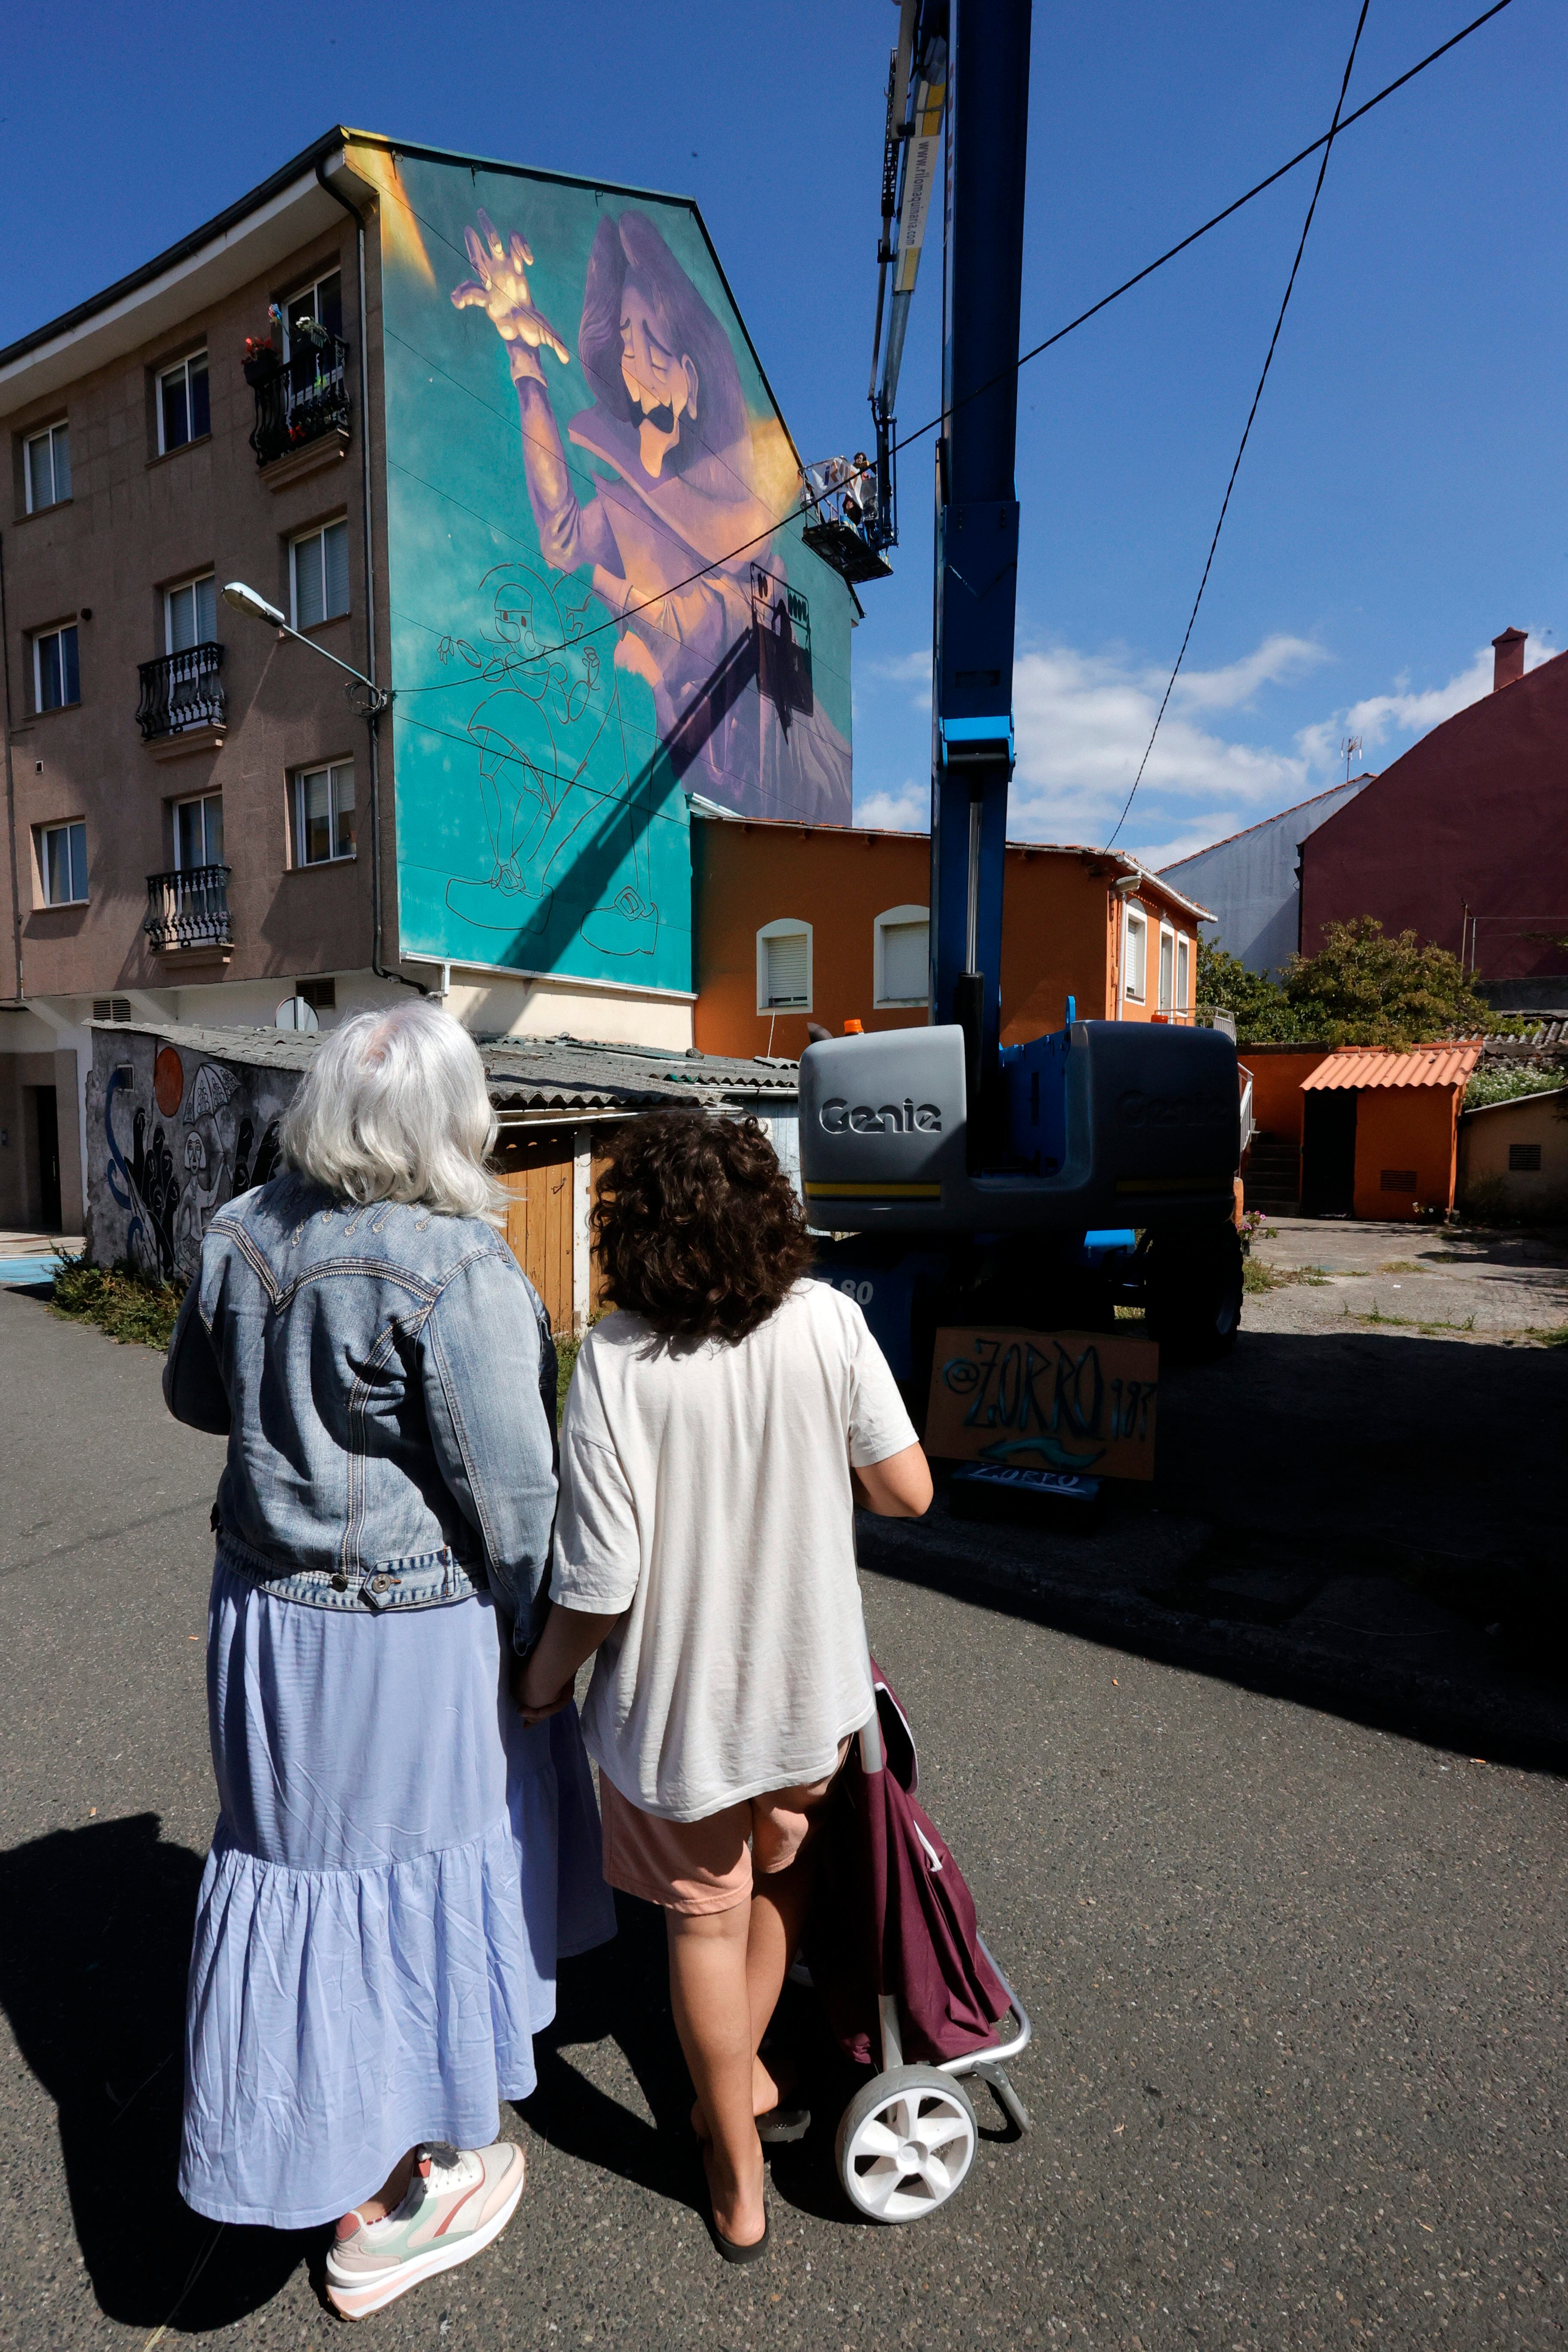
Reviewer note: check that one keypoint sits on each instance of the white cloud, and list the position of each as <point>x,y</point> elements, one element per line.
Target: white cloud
<point>1277,658</point>
<point>1083,721</point>
<point>1379,716</point>
<point>906,811</point>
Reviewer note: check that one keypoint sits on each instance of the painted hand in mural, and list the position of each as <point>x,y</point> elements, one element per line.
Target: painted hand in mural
<point>499,288</point>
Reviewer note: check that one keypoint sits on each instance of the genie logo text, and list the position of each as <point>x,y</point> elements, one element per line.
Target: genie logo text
<point>838,1115</point>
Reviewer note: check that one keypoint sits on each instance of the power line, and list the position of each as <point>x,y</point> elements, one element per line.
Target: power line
<point>1247,430</point>
<point>906,440</point>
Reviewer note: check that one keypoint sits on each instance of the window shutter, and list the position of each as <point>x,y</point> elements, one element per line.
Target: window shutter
<point>787,968</point>
<point>906,960</point>
<point>336,540</point>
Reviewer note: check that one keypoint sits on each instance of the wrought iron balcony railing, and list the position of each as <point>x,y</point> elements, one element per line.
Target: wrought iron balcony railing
<point>300,398</point>
<point>181,690</point>
<point>189,908</point>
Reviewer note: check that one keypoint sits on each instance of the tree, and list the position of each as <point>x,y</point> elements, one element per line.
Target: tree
<point>1368,988</point>
<point>1264,1016</point>
<point>1362,988</point>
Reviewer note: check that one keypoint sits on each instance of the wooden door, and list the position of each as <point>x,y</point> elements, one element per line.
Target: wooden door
<point>538,1178</point>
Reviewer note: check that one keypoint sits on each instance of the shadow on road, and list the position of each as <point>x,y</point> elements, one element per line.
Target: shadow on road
<point>93,1976</point>
<point>1364,1524</point>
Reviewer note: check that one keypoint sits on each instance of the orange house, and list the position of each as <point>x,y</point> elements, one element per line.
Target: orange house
<point>830,923</point>
<point>1390,1123</point>
<point>1357,1130</point>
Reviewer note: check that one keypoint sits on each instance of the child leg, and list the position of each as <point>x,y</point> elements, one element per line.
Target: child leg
<point>708,1985</point>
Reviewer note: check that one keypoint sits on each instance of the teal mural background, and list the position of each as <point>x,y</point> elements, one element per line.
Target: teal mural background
<point>544,740</point>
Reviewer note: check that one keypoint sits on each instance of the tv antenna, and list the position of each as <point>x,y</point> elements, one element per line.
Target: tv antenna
<point>1349,750</point>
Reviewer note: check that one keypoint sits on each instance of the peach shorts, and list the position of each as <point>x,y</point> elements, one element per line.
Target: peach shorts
<point>706,1865</point>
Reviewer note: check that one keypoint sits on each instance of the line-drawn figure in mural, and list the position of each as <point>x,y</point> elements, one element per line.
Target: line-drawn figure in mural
<point>169,1206</point>
<point>208,1160</point>
<point>548,690</point>
<point>679,498</point>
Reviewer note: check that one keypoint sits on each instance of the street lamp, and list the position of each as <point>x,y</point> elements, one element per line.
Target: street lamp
<point>370,703</point>
<point>249,600</point>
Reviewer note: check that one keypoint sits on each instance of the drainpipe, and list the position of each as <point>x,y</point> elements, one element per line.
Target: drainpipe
<point>20,997</point>
<point>373,717</point>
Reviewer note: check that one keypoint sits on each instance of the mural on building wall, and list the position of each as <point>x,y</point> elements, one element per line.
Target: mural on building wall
<point>176,1138</point>
<point>600,599</point>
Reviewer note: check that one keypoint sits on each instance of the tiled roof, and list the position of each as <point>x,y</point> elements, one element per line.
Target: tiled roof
<point>529,1074</point>
<point>1373,1066</point>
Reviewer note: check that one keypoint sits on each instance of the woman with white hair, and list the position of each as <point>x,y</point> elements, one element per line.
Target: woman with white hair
<point>398,1860</point>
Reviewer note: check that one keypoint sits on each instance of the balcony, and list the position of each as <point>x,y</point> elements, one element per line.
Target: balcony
<point>188,908</point>
<point>182,709</point>
<point>301,405</point>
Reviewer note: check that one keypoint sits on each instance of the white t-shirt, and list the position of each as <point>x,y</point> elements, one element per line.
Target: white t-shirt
<point>705,1492</point>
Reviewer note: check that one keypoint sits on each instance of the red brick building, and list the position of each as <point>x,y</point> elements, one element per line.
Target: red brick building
<point>1463,839</point>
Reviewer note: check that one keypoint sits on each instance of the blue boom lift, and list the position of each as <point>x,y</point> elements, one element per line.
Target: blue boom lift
<point>965,1180</point>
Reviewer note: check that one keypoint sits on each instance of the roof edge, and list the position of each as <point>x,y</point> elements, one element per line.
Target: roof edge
<point>299,167</point>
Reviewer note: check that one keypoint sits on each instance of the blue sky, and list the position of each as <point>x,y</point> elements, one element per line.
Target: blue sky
<point>1404,495</point>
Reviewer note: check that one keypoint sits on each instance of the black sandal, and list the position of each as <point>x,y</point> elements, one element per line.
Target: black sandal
<point>737,2253</point>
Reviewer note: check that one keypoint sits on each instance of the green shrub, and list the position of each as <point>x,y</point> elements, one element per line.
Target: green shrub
<point>130,1305</point>
<point>1509,1085</point>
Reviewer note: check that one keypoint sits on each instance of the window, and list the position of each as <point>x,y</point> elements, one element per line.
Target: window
<point>190,614</point>
<point>1184,973</point>
<point>784,967</point>
<point>62,863</point>
<point>48,468</point>
<point>901,956</point>
<point>324,814</point>
<point>1524,1159</point>
<point>56,679</point>
<point>319,575</point>
<point>1135,957</point>
<point>183,413</point>
<point>1167,968</point>
<point>198,832</point>
<point>321,995</point>
<point>321,303</point>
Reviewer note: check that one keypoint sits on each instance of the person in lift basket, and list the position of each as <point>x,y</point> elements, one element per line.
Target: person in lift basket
<point>721,1424</point>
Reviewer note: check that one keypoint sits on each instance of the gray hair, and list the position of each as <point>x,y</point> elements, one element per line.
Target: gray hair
<point>394,1107</point>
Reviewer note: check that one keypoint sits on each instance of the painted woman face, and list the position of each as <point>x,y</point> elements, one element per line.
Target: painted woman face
<point>662,383</point>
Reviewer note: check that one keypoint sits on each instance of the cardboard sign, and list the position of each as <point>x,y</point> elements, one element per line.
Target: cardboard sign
<point>1082,1401</point>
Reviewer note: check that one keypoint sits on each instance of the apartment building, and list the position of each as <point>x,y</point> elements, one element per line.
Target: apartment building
<point>497,442</point>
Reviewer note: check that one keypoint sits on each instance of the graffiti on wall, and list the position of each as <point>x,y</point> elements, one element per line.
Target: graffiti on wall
<point>601,599</point>
<point>178,1141</point>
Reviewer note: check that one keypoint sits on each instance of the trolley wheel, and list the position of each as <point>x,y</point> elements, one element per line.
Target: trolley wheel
<point>906,2143</point>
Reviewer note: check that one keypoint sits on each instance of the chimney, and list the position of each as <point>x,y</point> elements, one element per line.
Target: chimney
<point>1507,658</point>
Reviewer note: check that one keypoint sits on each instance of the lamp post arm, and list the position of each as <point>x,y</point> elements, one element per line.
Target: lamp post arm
<point>381,695</point>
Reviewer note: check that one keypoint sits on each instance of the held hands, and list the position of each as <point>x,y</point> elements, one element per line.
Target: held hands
<point>499,288</point>
<point>535,1701</point>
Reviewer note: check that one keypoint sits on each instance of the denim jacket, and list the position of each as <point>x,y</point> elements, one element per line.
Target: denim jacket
<point>385,1378</point>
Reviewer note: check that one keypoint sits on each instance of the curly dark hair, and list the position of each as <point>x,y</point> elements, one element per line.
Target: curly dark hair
<point>697,1226</point>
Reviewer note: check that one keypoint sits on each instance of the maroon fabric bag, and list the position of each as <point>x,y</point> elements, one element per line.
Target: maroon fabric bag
<point>892,1915</point>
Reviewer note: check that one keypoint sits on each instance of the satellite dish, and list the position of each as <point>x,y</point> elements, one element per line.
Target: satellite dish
<point>295,1013</point>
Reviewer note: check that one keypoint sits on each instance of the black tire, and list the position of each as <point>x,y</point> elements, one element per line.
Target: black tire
<point>1193,1291</point>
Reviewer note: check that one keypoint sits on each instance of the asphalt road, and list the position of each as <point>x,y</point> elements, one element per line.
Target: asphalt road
<point>1300,2068</point>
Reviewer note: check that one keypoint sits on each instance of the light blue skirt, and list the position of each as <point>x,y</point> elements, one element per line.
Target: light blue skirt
<point>398,1862</point>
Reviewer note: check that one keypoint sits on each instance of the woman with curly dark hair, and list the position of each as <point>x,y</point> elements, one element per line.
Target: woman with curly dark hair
<point>721,1426</point>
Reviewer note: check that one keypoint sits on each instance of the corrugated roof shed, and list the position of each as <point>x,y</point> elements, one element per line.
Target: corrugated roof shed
<point>527,1074</point>
<point>1373,1066</point>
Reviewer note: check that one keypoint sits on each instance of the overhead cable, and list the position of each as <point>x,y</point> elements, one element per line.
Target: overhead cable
<point>1247,430</point>
<point>931,423</point>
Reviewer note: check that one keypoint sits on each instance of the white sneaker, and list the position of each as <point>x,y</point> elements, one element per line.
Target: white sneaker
<point>458,2200</point>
